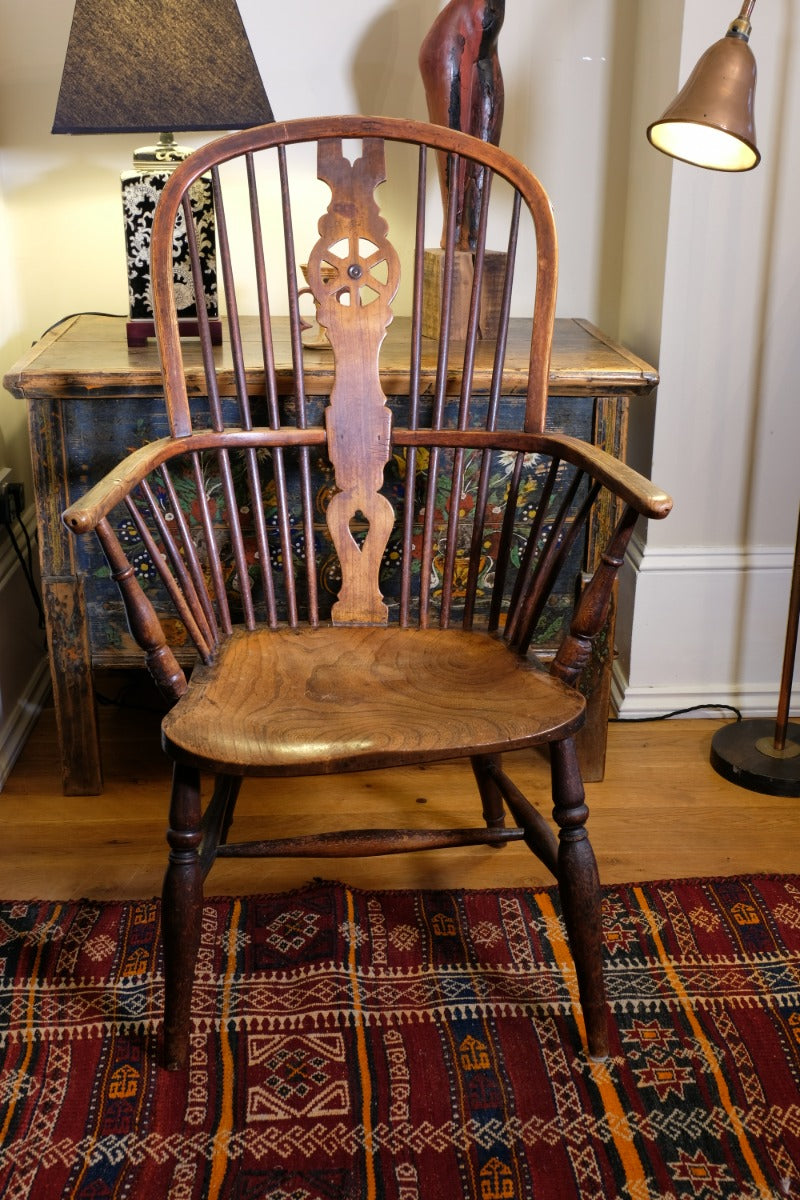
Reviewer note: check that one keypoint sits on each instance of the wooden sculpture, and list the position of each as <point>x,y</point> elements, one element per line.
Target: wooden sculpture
<point>464,89</point>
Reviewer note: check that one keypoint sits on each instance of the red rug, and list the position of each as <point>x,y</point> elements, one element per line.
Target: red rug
<point>407,1046</point>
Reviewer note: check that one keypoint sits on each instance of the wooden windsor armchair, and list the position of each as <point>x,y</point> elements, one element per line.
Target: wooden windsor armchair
<point>362,581</point>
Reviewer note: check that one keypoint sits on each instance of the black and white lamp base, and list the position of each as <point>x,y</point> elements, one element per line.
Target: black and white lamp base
<point>141,189</point>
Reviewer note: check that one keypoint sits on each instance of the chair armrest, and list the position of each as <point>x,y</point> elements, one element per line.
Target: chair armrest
<point>637,491</point>
<point>640,498</point>
<point>86,513</point>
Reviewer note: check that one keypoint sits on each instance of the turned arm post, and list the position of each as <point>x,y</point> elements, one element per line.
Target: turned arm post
<point>592,608</point>
<point>142,618</point>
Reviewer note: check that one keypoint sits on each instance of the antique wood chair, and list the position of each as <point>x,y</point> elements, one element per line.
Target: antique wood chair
<point>362,580</point>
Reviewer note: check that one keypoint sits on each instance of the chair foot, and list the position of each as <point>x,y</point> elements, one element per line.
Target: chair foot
<point>597,1032</point>
<point>175,1058</point>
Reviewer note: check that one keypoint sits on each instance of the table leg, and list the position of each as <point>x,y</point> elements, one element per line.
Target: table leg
<point>73,688</point>
<point>64,605</point>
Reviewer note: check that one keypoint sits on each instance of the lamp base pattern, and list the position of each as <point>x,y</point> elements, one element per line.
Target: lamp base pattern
<point>140,194</point>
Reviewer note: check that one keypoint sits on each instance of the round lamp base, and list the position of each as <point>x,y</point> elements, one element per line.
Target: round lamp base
<point>745,754</point>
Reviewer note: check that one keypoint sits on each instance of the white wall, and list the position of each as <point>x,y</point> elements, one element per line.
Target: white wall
<point>712,590</point>
<point>694,271</point>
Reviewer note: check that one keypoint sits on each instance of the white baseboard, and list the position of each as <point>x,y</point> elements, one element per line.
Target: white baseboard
<point>707,559</point>
<point>15,731</point>
<point>751,701</point>
<point>24,667</point>
<point>702,625</point>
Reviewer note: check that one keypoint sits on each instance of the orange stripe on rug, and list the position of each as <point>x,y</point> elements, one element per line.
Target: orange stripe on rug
<point>30,1027</point>
<point>618,1125</point>
<point>361,1049</point>
<point>224,1131</point>
<point>710,1057</point>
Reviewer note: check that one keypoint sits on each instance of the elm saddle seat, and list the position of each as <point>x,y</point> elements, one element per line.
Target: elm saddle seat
<point>363,588</point>
<point>326,700</point>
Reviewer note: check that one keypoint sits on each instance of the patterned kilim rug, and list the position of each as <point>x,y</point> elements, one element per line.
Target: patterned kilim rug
<point>404,1045</point>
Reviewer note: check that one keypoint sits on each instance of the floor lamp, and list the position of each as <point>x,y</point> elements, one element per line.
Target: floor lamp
<point>710,124</point>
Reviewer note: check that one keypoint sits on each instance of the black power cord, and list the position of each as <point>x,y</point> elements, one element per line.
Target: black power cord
<point>27,567</point>
<point>678,712</point>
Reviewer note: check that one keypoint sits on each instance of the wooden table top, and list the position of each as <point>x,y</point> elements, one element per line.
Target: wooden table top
<point>88,356</point>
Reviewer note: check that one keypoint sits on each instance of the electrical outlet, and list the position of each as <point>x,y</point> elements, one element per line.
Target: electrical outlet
<point>12,498</point>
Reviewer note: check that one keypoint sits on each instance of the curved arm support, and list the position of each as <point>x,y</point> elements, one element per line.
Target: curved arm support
<point>592,608</point>
<point>142,619</point>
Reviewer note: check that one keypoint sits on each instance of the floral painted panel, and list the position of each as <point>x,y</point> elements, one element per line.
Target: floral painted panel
<point>96,439</point>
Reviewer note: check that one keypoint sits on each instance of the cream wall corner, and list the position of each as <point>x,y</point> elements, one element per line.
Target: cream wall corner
<point>711,583</point>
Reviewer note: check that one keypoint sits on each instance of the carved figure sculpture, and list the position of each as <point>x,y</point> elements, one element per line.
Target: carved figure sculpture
<point>464,89</point>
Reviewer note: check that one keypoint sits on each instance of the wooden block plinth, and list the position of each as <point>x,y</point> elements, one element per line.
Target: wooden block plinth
<point>491,293</point>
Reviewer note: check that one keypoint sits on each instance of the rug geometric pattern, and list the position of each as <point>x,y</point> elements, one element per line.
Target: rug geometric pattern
<point>407,1046</point>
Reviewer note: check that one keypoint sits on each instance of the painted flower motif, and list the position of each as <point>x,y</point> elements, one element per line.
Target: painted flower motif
<point>460,573</point>
<point>196,509</point>
<point>250,551</point>
<point>127,532</point>
<point>174,631</point>
<point>529,500</point>
<point>505,462</point>
<point>392,556</point>
<point>144,567</point>
<point>465,506</point>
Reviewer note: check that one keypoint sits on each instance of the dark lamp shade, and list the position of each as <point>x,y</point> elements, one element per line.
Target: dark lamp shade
<point>153,66</point>
<point>710,122</point>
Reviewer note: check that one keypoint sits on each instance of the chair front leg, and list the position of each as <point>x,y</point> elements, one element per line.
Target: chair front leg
<point>491,796</point>
<point>182,909</point>
<point>579,888</point>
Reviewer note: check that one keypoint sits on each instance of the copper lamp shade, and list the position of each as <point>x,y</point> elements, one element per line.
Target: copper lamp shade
<point>710,122</point>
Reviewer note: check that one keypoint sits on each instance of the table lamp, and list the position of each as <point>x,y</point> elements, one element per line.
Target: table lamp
<point>156,66</point>
<point>710,124</point>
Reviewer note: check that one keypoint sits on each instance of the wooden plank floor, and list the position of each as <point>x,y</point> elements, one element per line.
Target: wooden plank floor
<point>661,812</point>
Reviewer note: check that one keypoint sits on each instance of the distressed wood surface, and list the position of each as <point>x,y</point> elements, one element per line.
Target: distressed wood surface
<point>88,356</point>
<point>378,693</point>
<point>354,309</point>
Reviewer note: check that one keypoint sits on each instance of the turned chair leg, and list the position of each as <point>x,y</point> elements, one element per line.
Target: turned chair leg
<point>182,909</point>
<point>579,888</point>
<point>491,796</point>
